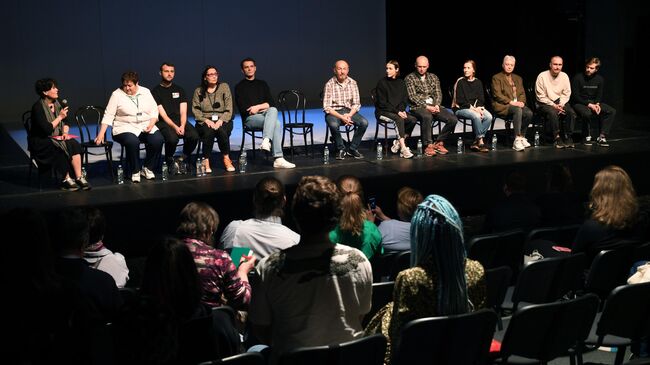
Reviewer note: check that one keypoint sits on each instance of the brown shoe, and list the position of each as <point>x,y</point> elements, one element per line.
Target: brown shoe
<point>440,148</point>
<point>206,164</point>
<point>228,163</point>
<point>483,148</point>
<point>430,150</point>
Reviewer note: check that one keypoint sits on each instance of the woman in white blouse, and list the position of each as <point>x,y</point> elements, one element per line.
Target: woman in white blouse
<point>132,112</point>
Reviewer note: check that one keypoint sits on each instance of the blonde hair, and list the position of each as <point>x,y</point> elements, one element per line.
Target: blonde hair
<point>353,213</point>
<point>407,201</point>
<point>613,199</point>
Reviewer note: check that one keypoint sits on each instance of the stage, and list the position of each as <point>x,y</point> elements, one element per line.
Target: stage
<point>472,181</point>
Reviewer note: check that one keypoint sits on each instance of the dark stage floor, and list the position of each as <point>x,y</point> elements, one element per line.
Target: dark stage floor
<point>471,181</point>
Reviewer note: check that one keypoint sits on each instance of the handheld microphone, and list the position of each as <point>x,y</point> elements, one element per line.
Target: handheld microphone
<point>64,103</point>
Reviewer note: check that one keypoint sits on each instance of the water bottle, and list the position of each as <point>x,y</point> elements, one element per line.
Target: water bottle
<point>380,151</point>
<point>326,155</point>
<point>419,148</point>
<point>494,142</point>
<point>83,173</point>
<point>198,166</point>
<point>536,143</point>
<point>165,171</point>
<point>242,161</point>
<point>120,174</point>
<point>459,145</point>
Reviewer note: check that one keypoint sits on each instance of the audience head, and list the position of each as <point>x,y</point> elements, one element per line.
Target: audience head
<point>515,183</point>
<point>171,277</point>
<point>70,231</point>
<point>199,221</point>
<point>353,211</point>
<point>96,225</point>
<point>559,179</point>
<point>437,244</point>
<point>269,198</point>
<point>42,86</point>
<point>316,205</point>
<point>613,200</point>
<point>407,201</point>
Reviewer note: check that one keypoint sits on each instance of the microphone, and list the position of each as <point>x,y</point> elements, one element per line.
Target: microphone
<point>64,103</point>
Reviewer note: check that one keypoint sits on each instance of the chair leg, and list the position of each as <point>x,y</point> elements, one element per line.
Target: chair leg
<point>311,135</point>
<point>291,142</point>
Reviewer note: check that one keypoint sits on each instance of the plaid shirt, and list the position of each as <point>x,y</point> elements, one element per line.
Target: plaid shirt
<point>420,90</point>
<point>341,95</point>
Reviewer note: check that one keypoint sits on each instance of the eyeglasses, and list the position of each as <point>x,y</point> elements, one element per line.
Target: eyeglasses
<point>212,74</point>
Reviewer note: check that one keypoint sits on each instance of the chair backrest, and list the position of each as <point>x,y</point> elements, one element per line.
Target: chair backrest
<point>547,331</point>
<point>456,339</point>
<point>402,262</point>
<point>89,117</point>
<point>500,249</point>
<point>292,106</point>
<point>382,265</point>
<point>641,252</point>
<point>609,269</point>
<point>497,281</point>
<point>246,358</point>
<point>368,350</point>
<point>382,293</point>
<point>27,124</point>
<point>626,312</point>
<point>536,281</point>
<point>561,235</point>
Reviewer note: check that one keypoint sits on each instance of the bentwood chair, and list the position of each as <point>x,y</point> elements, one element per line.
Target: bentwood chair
<point>292,106</point>
<point>90,117</point>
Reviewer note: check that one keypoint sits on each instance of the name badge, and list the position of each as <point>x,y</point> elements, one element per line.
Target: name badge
<point>215,117</point>
<point>139,114</point>
<point>176,95</point>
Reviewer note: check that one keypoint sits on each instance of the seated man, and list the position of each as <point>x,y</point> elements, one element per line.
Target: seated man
<point>255,103</point>
<point>586,99</point>
<point>265,233</point>
<point>314,293</point>
<point>341,104</point>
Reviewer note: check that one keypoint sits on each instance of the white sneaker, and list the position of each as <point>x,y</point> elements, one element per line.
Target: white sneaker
<point>395,147</point>
<point>525,142</point>
<point>266,145</point>
<point>519,144</point>
<point>135,178</point>
<point>405,153</point>
<point>281,163</point>
<point>147,174</point>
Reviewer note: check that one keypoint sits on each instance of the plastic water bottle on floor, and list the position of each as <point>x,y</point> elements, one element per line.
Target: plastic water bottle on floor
<point>494,142</point>
<point>120,174</point>
<point>242,161</point>
<point>536,141</point>
<point>165,171</point>
<point>380,151</point>
<point>459,145</point>
<point>326,155</point>
<point>83,172</point>
<point>418,149</point>
<point>198,166</point>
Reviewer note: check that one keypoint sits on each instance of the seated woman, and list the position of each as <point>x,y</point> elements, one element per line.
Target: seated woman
<point>354,228</point>
<point>49,139</point>
<point>392,99</point>
<point>396,233</point>
<point>223,283</point>
<point>212,109</point>
<point>441,280</point>
<point>469,103</point>
<point>133,112</point>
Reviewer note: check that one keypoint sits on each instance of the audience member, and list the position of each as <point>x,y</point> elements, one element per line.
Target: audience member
<point>222,282</point>
<point>212,109</point>
<point>97,255</point>
<point>586,99</point>
<point>516,210</point>
<point>553,91</point>
<point>50,143</point>
<point>356,227</point>
<point>314,293</point>
<point>132,112</point>
<point>341,103</point>
<point>396,233</point>
<point>172,109</point>
<point>469,103</point>
<point>509,101</point>
<point>265,233</point>
<point>425,97</point>
<point>441,280</point>
<point>391,102</point>
<point>257,109</point>
<point>560,204</point>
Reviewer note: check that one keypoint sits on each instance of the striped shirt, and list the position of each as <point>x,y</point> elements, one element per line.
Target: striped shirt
<point>338,95</point>
<point>420,90</point>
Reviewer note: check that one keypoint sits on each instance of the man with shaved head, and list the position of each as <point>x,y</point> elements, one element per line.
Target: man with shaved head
<point>425,96</point>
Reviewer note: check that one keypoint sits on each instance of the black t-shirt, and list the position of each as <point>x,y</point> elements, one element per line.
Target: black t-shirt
<point>170,98</point>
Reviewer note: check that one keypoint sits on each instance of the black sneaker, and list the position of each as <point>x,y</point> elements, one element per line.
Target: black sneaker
<point>588,141</point>
<point>569,142</point>
<point>354,153</point>
<point>602,142</point>
<point>340,155</point>
<point>69,185</point>
<point>83,183</point>
<point>558,143</point>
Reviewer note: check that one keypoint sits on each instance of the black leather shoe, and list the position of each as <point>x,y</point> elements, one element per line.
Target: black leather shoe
<point>354,153</point>
<point>69,185</point>
<point>340,155</point>
<point>83,183</point>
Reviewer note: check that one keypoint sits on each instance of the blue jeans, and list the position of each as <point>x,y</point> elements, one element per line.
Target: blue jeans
<point>333,123</point>
<point>271,128</point>
<point>479,125</point>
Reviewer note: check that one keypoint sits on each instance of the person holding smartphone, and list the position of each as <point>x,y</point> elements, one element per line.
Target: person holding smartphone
<point>395,233</point>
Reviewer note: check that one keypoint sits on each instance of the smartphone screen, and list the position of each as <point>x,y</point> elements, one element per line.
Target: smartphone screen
<point>372,202</point>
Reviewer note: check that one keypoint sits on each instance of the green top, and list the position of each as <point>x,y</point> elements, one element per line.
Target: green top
<point>369,242</point>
